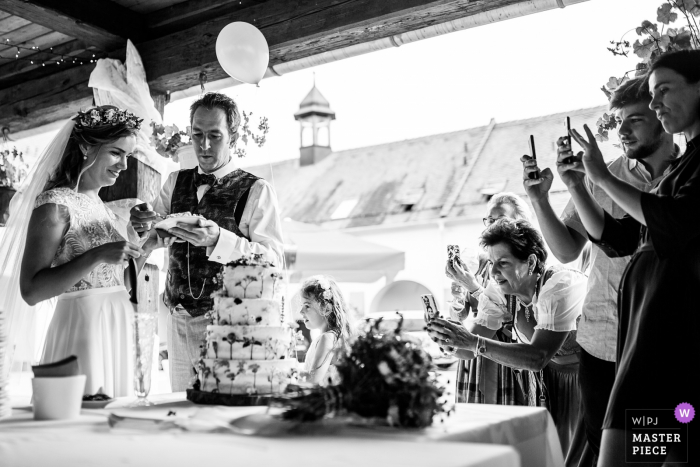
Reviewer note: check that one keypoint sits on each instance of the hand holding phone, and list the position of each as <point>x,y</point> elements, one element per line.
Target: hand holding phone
<point>570,159</point>
<point>429,307</point>
<point>453,252</point>
<point>533,154</point>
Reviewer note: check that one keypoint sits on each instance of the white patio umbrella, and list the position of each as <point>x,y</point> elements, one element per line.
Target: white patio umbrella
<point>311,250</point>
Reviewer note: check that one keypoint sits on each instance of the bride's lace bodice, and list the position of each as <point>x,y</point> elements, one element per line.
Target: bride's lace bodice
<point>91,224</point>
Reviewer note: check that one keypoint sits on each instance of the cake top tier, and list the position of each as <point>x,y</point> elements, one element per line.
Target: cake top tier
<point>251,278</point>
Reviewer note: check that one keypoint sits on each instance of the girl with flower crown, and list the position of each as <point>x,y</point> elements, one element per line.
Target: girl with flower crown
<point>66,248</point>
<point>324,309</point>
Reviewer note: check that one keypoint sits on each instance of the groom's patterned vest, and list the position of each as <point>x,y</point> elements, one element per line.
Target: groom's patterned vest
<point>223,204</point>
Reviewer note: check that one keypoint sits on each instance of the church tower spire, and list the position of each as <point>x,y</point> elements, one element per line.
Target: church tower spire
<point>314,116</point>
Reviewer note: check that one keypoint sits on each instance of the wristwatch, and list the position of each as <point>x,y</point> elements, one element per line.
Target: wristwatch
<point>480,346</point>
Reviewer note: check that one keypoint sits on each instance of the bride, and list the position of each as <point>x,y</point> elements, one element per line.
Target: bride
<point>76,248</point>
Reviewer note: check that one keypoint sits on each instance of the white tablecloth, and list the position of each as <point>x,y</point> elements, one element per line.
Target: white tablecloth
<point>475,435</point>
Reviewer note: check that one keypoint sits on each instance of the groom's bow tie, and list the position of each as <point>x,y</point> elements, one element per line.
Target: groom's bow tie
<point>204,179</point>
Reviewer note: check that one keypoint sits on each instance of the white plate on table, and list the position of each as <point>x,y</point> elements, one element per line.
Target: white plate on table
<point>173,221</point>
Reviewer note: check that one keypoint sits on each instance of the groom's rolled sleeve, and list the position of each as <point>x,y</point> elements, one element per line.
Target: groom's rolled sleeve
<point>161,205</point>
<point>260,222</point>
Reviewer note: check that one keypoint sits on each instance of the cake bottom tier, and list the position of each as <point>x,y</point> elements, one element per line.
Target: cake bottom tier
<point>246,376</point>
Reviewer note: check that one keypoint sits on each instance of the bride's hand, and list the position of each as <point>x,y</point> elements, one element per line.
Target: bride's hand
<point>116,252</point>
<point>155,241</point>
<point>447,333</point>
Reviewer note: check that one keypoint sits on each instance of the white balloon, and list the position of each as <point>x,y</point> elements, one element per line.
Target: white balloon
<point>242,52</point>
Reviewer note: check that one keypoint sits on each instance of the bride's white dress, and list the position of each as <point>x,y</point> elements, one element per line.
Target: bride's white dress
<point>93,318</point>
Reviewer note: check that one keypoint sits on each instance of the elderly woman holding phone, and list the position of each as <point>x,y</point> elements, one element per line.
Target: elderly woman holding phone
<point>480,380</point>
<point>657,297</point>
<point>544,304</point>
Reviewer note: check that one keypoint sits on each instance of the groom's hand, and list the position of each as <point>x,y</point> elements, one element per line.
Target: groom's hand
<point>142,217</point>
<point>205,233</point>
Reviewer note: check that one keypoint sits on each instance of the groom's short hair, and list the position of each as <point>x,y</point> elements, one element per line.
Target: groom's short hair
<point>215,100</point>
<point>632,91</point>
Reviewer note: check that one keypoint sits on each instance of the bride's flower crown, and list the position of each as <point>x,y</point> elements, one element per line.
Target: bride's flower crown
<point>100,116</point>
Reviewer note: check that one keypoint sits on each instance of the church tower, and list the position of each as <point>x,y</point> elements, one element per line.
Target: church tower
<point>314,116</point>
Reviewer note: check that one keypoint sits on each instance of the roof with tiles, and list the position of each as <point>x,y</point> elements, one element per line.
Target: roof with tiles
<point>414,180</point>
<point>499,168</point>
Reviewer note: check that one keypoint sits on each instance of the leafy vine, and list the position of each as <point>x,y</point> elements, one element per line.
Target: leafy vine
<point>654,40</point>
<point>167,139</point>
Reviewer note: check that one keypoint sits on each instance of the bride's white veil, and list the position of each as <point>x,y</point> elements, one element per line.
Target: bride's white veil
<point>24,325</point>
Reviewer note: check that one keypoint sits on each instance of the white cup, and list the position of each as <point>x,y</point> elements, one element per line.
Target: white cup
<point>58,398</point>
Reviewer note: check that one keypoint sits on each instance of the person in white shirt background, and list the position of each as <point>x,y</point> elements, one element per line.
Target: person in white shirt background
<point>240,218</point>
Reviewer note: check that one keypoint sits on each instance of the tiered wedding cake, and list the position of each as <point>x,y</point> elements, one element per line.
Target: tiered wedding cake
<point>248,346</point>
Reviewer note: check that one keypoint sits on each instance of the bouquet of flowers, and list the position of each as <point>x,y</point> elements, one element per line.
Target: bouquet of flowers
<point>384,378</point>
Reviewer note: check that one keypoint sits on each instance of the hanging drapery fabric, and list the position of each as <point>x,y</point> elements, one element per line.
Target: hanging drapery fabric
<point>124,85</point>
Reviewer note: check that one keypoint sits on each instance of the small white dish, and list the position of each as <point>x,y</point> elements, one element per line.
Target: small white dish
<point>173,221</point>
<point>97,404</point>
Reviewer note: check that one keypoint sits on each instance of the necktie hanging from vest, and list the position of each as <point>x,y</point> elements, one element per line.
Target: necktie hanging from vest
<point>204,179</point>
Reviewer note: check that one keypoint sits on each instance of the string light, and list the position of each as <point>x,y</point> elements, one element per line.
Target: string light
<point>59,58</point>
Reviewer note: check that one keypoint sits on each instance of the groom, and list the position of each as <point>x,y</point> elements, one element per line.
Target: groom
<point>240,217</point>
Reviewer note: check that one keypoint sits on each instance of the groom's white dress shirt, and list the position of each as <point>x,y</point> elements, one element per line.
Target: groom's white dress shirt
<point>260,221</point>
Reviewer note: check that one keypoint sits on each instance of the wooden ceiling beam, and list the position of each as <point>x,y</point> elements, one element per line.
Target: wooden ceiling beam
<point>10,23</point>
<point>27,38</point>
<point>19,71</point>
<point>296,29</point>
<point>39,102</point>
<point>185,11</point>
<point>100,23</point>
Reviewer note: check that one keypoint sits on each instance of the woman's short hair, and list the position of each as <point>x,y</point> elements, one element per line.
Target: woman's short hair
<point>522,238</point>
<point>684,62</point>
<point>71,164</point>
<point>520,207</point>
<point>215,100</point>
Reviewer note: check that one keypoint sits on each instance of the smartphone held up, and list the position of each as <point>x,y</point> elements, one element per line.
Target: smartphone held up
<point>452,252</point>
<point>570,159</point>
<point>536,174</point>
<point>430,307</point>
